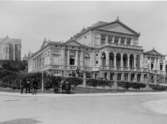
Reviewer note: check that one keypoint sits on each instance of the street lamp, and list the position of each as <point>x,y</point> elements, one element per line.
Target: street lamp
<point>42,86</point>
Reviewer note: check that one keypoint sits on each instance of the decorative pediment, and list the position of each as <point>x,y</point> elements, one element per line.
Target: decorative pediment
<point>118,27</point>
<point>45,42</point>
<point>73,43</point>
<point>153,52</point>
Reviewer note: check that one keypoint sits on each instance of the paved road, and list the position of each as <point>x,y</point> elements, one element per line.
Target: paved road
<point>84,109</point>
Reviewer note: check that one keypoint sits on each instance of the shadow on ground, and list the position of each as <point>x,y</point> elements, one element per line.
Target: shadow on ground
<point>21,121</point>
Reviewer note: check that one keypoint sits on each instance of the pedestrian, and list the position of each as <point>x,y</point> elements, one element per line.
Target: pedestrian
<point>56,86</point>
<point>28,85</point>
<point>22,86</point>
<point>67,87</point>
<point>61,86</point>
<point>34,86</point>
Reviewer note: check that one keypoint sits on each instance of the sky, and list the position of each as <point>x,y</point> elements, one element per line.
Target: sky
<point>58,21</point>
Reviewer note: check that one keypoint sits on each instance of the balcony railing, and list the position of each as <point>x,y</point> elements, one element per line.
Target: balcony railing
<point>123,46</point>
<point>86,68</point>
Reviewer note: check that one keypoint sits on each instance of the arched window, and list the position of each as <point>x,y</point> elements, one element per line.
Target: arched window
<point>161,66</point>
<point>131,61</point>
<point>152,66</point>
<point>103,58</point>
<point>137,61</point>
<point>125,60</point>
<point>111,59</point>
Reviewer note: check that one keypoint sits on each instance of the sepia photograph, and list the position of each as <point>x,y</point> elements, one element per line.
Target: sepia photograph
<point>83,62</point>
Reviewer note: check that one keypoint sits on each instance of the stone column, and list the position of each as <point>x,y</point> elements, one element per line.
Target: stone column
<point>154,64</point>
<point>14,57</point>
<point>100,60</point>
<point>63,59</point>
<point>84,79</point>
<point>155,79</point>
<point>119,40</point>
<point>125,41</point>
<point>108,75</point>
<point>68,57</point>
<point>115,65</point>
<point>147,81</point>
<point>142,78</point>
<point>122,61</point>
<point>113,39</point>
<point>141,61</point>
<point>106,41</point>
<point>135,77</point>
<point>158,64</point>
<point>115,85</point>
<point>93,75</point>
<point>76,58</point>
<point>79,53</point>
<point>163,65</point>
<point>81,59</point>
<point>134,61</point>
<point>129,77</point>
<point>128,58</point>
<point>107,60</point>
<point>122,76</point>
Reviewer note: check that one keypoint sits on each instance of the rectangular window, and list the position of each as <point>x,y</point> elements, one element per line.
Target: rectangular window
<point>103,38</point>
<point>161,66</point>
<point>72,61</point>
<point>116,40</point>
<point>110,37</point>
<point>122,40</point>
<point>128,41</point>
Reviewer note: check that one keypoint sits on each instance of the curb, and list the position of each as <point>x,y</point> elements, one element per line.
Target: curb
<point>88,94</point>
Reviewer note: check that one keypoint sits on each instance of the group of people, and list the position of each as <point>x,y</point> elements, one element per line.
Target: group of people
<point>29,86</point>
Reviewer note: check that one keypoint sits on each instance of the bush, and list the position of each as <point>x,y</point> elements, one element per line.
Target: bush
<point>97,82</point>
<point>138,86</point>
<point>123,84</point>
<point>92,82</point>
<point>158,87</point>
<point>74,80</point>
<point>14,65</point>
<point>127,85</point>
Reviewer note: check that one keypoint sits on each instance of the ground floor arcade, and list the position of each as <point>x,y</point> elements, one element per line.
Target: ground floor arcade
<point>129,76</point>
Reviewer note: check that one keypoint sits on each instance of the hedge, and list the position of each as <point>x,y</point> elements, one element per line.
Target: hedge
<point>125,85</point>
<point>134,85</point>
<point>74,81</point>
<point>98,82</point>
<point>158,87</point>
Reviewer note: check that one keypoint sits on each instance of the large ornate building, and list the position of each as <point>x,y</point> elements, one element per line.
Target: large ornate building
<point>108,50</point>
<point>10,49</point>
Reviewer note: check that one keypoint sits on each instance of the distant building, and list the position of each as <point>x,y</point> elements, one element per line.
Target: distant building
<point>27,56</point>
<point>108,50</point>
<point>10,49</point>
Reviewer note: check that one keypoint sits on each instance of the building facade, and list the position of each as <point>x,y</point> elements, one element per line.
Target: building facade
<point>108,50</point>
<point>10,49</point>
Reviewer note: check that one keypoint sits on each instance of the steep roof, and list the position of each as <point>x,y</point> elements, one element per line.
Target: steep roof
<point>75,43</point>
<point>153,52</point>
<point>101,24</point>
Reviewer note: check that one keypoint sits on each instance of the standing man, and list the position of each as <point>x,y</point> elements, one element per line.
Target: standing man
<point>22,86</point>
<point>28,84</point>
<point>34,86</point>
